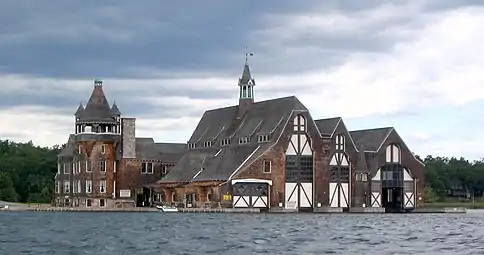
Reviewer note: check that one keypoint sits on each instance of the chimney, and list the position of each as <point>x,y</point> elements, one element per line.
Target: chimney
<point>128,133</point>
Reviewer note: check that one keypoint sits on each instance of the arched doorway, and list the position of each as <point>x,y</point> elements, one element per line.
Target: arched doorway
<point>393,186</point>
<point>299,168</point>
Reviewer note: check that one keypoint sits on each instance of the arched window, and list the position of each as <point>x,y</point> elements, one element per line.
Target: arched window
<point>244,92</point>
<point>393,154</point>
<point>340,142</point>
<point>299,123</point>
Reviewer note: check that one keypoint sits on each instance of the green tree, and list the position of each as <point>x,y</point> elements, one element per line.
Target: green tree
<point>7,189</point>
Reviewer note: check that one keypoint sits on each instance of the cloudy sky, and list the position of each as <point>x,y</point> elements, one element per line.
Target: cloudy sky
<point>416,65</point>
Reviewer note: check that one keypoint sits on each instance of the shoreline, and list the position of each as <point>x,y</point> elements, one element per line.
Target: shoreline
<point>26,208</point>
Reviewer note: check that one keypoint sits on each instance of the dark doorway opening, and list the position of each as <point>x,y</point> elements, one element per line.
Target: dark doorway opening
<point>392,199</point>
<point>392,188</point>
<point>143,197</point>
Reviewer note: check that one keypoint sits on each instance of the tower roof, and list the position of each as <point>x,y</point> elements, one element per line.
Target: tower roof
<point>97,108</point>
<point>80,110</point>
<point>115,110</point>
<point>246,76</point>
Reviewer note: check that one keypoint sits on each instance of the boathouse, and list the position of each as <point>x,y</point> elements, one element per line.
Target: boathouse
<point>274,155</point>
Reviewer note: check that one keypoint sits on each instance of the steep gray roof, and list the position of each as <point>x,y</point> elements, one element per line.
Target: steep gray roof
<point>80,111</point>
<point>265,117</point>
<point>371,139</point>
<point>246,76</point>
<point>327,126</point>
<point>147,149</point>
<point>115,110</point>
<point>361,165</point>
<point>97,108</point>
<point>70,149</point>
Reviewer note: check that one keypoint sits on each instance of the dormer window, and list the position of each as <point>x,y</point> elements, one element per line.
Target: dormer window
<point>244,140</point>
<point>340,142</point>
<point>192,145</point>
<point>225,142</point>
<point>208,143</point>
<point>263,138</point>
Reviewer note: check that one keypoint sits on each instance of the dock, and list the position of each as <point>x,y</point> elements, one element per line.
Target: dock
<point>321,210</point>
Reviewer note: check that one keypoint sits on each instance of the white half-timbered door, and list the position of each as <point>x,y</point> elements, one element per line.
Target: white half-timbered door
<point>375,196</point>
<point>339,195</point>
<point>409,187</point>
<point>299,168</point>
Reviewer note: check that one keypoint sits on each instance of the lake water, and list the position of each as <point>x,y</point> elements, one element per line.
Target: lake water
<point>157,233</point>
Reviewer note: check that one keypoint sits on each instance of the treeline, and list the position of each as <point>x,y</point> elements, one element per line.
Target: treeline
<point>27,174</point>
<point>453,178</point>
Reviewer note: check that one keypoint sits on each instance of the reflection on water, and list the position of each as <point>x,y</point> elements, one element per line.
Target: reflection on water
<point>158,233</point>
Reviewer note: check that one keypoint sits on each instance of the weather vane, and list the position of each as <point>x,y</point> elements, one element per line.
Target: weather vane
<point>247,53</point>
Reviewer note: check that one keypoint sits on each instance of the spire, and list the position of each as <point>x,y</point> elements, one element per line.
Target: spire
<point>97,108</point>
<point>246,82</point>
<point>80,110</point>
<point>115,110</point>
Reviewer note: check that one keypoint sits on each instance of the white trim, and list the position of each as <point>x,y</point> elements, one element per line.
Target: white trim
<point>251,180</point>
<point>242,164</point>
<point>114,189</point>
<point>218,152</point>
<point>197,174</point>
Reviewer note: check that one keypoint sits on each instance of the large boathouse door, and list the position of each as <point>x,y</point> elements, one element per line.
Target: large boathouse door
<point>339,195</point>
<point>299,168</point>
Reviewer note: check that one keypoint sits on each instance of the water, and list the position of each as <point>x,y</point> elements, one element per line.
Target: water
<point>158,233</point>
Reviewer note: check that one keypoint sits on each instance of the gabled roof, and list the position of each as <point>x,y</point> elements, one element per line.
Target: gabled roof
<point>147,149</point>
<point>327,126</point>
<point>371,139</point>
<point>97,108</point>
<point>361,164</point>
<point>261,118</point>
<point>70,149</point>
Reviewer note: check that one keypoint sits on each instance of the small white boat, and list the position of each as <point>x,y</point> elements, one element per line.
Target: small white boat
<point>164,208</point>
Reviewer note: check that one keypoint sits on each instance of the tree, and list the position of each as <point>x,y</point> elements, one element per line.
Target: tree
<point>7,189</point>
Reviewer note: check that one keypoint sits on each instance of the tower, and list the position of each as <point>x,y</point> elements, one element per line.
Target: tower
<point>246,88</point>
<point>98,139</point>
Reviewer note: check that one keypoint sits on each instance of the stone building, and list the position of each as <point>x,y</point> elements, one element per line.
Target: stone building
<point>104,164</point>
<point>273,155</point>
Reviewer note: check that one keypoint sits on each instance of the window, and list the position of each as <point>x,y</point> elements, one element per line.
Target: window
<point>267,166</point>
<point>57,187</point>
<point>74,168</point>
<point>163,169</point>
<point>67,187</point>
<point>225,142</point>
<point>192,145</point>
<point>103,149</point>
<point>263,138</point>
<point>173,196</point>
<point>340,142</point>
<point>79,188</point>
<point>393,154</point>
<point>244,140</point>
<point>299,123</point>
<point>102,166</point>
<point>88,166</point>
<point>102,202</point>
<point>88,186</point>
<point>361,177</point>
<point>79,149</point>
<point>209,197</point>
<point>208,144</point>
<point>102,186</point>
<point>59,168</point>
<point>66,168</point>
<point>88,202</point>
<point>147,168</point>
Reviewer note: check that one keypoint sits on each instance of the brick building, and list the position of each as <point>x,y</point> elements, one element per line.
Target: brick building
<point>104,164</point>
<point>273,155</point>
